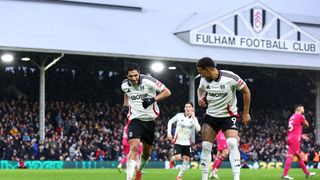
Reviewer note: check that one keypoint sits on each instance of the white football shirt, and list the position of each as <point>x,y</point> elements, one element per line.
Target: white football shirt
<point>221,94</point>
<point>184,128</point>
<point>147,87</point>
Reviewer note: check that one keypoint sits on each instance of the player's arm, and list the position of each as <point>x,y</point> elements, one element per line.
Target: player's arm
<point>305,123</point>
<point>201,96</point>
<point>242,86</point>
<point>305,137</point>
<point>125,100</point>
<point>197,126</point>
<point>246,105</point>
<point>125,107</point>
<point>163,94</point>
<point>169,126</point>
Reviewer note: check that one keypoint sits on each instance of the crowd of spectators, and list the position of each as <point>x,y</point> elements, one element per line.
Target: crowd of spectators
<point>74,131</point>
<point>85,122</point>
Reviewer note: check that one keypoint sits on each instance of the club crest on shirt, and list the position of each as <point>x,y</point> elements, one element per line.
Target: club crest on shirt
<point>222,86</point>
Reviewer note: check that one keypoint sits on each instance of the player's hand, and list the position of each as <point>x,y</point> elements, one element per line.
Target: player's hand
<point>147,102</point>
<point>193,115</point>
<point>169,137</point>
<point>246,118</point>
<point>202,102</point>
<point>124,111</point>
<point>305,137</point>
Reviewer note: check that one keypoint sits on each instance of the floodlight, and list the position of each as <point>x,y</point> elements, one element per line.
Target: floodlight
<point>7,58</point>
<point>157,67</point>
<point>25,59</point>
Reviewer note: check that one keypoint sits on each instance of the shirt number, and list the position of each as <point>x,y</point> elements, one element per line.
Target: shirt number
<point>290,125</point>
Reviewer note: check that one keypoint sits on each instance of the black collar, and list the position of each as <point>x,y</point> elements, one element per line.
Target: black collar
<point>186,115</point>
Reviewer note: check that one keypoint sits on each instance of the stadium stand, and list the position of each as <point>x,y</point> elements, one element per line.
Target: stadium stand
<point>84,121</point>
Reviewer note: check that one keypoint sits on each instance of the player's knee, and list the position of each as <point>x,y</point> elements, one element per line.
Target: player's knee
<point>225,153</point>
<point>206,146</point>
<point>222,157</point>
<point>300,156</point>
<point>186,159</point>
<point>177,158</point>
<point>134,147</point>
<point>232,143</point>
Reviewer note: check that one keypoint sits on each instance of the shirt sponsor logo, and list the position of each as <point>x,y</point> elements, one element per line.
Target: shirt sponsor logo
<point>217,94</point>
<point>138,96</point>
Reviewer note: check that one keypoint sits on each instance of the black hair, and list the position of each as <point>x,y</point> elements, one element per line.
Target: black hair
<point>206,62</point>
<point>189,102</point>
<point>132,66</point>
<point>297,106</point>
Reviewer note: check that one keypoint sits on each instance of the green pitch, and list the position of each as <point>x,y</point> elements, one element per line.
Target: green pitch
<point>150,174</point>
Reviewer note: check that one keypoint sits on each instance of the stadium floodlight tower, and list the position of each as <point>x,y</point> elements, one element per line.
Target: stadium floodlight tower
<point>43,67</point>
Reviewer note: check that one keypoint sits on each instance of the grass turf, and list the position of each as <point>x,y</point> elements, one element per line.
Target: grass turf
<point>151,174</point>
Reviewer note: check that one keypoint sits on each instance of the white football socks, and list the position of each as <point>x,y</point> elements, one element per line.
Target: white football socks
<point>205,159</point>
<point>234,157</point>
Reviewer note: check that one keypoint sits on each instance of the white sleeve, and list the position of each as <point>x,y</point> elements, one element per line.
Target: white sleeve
<point>170,122</point>
<point>201,88</point>
<point>201,84</point>
<point>123,86</point>
<point>154,83</point>
<point>197,125</point>
<point>239,83</point>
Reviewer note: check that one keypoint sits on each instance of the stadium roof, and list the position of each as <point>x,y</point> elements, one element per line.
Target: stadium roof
<point>108,28</point>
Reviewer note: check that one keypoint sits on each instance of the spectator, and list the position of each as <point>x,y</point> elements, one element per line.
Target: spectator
<point>82,109</point>
<point>100,155</point>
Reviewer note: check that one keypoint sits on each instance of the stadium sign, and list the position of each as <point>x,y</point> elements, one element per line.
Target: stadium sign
<point>255,27</point>
<point>254,43</point>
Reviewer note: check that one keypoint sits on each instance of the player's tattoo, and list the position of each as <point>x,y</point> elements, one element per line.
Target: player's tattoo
<point>207,133</point>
